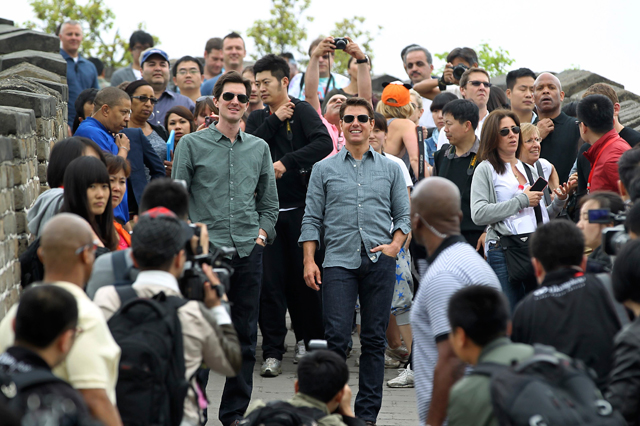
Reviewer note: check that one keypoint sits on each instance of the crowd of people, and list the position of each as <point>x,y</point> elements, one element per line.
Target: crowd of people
<point>477,240</point>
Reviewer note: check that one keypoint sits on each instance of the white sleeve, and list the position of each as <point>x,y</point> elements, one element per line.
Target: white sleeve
<point>546,168</point>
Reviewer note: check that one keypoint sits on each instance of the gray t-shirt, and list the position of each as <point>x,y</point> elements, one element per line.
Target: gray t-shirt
<point>159,146</point>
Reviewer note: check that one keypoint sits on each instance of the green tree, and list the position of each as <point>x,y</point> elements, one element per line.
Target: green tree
<point>284,31</point>
<point>495,61</point>
<point>97,21</point>
<point>353,29</point>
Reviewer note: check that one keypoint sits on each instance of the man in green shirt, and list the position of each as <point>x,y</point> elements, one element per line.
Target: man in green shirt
<point>232,189</point>
<point>479,318</point>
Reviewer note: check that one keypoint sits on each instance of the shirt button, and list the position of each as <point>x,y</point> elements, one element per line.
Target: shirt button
<point>373,258</point>
<point>359,205</point>
<point>231,215</point>
<point>358,184</point>
<point>358,250</point>
<point>232,200</point>
<point>354,165</point>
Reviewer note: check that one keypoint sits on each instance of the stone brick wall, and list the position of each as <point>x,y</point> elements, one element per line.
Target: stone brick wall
<point>33,111</point>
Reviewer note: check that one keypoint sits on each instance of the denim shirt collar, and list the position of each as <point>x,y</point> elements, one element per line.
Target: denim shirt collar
<point>344,151</point>
<point>218,135</point>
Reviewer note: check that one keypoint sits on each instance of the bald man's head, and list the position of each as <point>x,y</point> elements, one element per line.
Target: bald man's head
<point>437,201</point>
<point>61,237</point>
<point>548,94</point>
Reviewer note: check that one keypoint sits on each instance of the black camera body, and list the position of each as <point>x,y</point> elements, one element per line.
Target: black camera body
<point>612,238</point>
<point>191,283</point>
<point>341,43</point>
<point>458,70</point>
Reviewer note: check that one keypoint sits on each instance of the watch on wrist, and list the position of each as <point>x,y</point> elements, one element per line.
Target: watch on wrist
<point>263,238</point>
<point>441,84</point>
<point>363,61</point>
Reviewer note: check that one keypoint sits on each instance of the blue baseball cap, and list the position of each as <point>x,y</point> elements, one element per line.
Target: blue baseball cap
<point>151,52</point>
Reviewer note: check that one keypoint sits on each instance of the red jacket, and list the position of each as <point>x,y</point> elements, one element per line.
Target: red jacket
<point>603,156</point>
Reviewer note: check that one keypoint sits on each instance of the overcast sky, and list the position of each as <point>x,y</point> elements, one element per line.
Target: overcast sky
<point>602,37</point>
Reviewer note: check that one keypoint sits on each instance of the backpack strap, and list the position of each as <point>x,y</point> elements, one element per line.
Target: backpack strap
<point>621,313</point>
<point>488,369</point>
<point>119,263</point>
<point>126,293</point>
<point>37,376</point>
<point>546,191</point>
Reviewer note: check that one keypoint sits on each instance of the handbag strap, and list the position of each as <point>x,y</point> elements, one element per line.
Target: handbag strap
<point>536,209</point>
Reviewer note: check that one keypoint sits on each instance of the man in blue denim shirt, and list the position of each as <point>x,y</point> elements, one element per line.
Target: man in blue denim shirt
<point>360,199</point>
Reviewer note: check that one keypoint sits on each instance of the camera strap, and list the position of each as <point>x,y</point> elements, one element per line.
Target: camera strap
<point>537,210</point>
<point>421,172</point>
<point>593,166</point>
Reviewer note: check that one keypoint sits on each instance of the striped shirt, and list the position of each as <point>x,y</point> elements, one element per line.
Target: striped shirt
<point>454,265</point>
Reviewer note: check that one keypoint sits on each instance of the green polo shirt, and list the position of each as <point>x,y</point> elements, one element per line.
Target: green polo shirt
<point>231,184</point>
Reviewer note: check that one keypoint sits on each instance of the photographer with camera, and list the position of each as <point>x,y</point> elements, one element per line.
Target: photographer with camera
<point>459,61</point>
<point>205,331</point>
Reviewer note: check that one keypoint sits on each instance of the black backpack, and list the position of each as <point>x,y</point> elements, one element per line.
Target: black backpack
<point>546,390</point>
<point>281,413</point>
<point>151,386</point>
<point>31,268</point>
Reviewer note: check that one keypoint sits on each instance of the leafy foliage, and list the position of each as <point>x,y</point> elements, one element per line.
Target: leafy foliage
<point>495,61</point>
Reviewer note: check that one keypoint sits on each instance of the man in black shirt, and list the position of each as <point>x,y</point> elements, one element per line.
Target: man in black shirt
<point>559,132</point>
<point>571,311</point>
<point>297,139</point>
<point>457,160</point>
<point>45,330</point>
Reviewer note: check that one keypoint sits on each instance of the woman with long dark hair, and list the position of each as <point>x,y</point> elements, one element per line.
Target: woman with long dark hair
<point>502,199</point>
<point>87,193</point>
<point>180,120</point>
<point>119,170</point>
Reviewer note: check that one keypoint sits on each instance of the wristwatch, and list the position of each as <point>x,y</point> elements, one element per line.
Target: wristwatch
<point>441,84</point>
<point>263,238</point>
<point>363,61</point>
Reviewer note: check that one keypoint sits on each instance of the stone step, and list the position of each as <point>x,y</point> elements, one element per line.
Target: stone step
<point>53,62</point>
<point>14,41</point>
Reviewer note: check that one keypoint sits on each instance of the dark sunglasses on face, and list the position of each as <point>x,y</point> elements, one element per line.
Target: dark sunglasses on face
<point>362,118</point>
<point>478,83</point>
<point>228,96</point>
<point>514,129</point>
<point>145,99</point>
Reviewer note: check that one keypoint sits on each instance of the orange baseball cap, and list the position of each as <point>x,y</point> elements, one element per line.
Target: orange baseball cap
<point>396,94</point>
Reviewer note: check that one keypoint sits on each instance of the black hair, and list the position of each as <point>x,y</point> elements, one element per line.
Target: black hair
<point>87,95</point>
<point>466,53</point>
<point>596,112</point>
<point>115,163</point>
<point>557,244</point>
<point>632,223</point>
<point>380,122</point>
<point>629,166</point>
<point>63,153</point>
<point>634,189</point>
<point>164,192</point>
<point>187,58</point>
<point>134,85</point>
<point>441,100</point>
<point>232,77</point>
<point>497,99</point>
<point>463,110</point>
<point>98,64</point>
<point>481,311</point>
<point>606,200</point>
<point>285,55</point>
<point>571,109</point>
<point>354,102</point>
<point>514,75</point>
<point>81,173</point>
<point>278,66</point>
<point>322,374</point>
<point>625,276</point>
<point>140,37</point>
<point>44,313</point>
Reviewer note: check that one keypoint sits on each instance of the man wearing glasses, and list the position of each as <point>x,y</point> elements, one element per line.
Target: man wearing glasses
<point>474,86</point>
<point>155,70</point>
<point>232,190</point>
<point>358,198</point>
<point>187,76</point>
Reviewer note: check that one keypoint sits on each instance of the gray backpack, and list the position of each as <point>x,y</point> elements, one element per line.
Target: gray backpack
<point>546,390</point>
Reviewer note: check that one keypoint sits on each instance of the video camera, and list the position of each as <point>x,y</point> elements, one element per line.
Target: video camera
<point>615,237</point>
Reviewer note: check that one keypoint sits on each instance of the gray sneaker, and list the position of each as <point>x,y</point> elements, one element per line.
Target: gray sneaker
<point>271,368</point>
<point>301,351</point>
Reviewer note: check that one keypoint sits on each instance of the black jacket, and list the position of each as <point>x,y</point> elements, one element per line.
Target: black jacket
<point>298,145</point>
<point>624,386</point>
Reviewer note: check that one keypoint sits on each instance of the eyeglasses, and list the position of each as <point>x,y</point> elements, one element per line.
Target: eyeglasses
<point>93,245</point>
<point>514,129</point>
<point>434,230</point>
<point>192,71</point>
<point>362,118</point>
<point>242,98</point>
<point>145,99</point>
<point>532,140</point>
<point>477,83</point>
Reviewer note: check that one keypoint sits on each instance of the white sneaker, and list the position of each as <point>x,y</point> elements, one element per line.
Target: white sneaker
<point>390,362</point>
<point>404,379</point>
<point>271,368</point>
<point>301,351</point>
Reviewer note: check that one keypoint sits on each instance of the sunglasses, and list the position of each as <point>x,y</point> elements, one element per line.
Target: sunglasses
<point>362,118</point>
<point>242,98</point>
<point>477,83</point>
<point>145,99</point>
<point>514,129</point>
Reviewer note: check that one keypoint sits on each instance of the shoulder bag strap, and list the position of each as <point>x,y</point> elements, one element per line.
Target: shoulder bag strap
<point>536,209</point>
<point>126,293</point>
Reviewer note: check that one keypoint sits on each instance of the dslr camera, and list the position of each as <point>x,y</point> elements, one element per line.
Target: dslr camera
<point>612,238</point>
<point>458,70</point>
<point>340,42</point>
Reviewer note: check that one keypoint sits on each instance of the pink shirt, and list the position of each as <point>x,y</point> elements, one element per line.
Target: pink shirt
<point>334,132</point>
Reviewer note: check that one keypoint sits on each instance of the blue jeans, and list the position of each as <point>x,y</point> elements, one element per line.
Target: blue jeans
<point>514,291</point>
<point>374,283</point>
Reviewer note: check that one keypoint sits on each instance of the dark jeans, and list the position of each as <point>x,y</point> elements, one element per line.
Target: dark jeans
<point>374,283</point>
<point>283,286</point>
<point>515,291</point>
<point>244,295</point>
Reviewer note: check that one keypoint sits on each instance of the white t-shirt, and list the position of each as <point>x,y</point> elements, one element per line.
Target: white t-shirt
<point>137,73</point>
<point>426,120</point>
<point>337,82</point>
<point>442,137</point>
<point>405,171</point>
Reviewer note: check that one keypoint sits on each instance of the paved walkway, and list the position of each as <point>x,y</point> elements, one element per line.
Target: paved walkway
<point>398,405</point>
